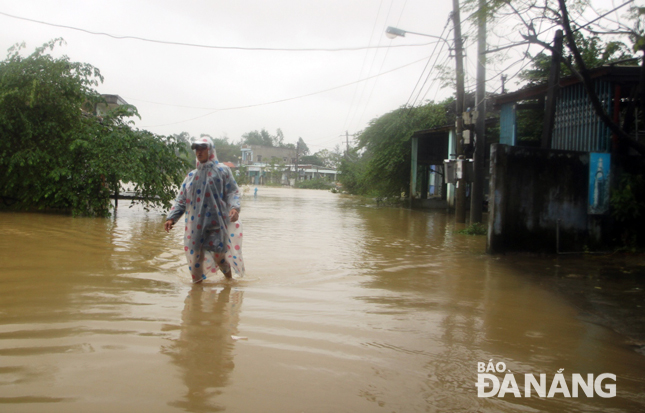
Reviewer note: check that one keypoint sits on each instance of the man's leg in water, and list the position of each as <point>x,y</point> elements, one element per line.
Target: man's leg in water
<point>223,265</point>
<point>196,265</point>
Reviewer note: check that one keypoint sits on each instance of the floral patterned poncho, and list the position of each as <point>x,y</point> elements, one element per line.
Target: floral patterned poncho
<point>206,196</point>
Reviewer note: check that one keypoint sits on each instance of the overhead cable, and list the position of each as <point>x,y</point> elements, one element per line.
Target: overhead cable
<point>351,105</point>
<point>431,68</point>
<point>291,98</point>
<point>205,46</point>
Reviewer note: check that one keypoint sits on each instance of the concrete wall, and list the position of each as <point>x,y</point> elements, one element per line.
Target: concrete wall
<point>531,190</point>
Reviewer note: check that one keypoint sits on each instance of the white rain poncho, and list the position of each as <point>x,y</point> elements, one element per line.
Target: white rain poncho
<point>210,239</point>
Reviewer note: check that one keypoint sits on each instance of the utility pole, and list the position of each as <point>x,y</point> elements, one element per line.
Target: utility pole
<point>347,143</point>
<point>297,154</point>
<point>477,190</point>
<point>460,195</point>
<point>552,94</point>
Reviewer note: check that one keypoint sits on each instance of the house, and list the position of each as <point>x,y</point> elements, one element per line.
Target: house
<point>111,102</point>
<point>433,166</point>
<point>263,173</point>
<point>265,154</point>
<point>576,126</point>
<point>550,191</point>
<point>429,149</point>
<point>267,163</point>
<point>308,171</point>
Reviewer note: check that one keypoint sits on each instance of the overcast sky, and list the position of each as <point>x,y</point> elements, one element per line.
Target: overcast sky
<point>229,89</point>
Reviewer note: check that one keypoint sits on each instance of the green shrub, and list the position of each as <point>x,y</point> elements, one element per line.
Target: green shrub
<point>56,154</point>
<point>474,229</point>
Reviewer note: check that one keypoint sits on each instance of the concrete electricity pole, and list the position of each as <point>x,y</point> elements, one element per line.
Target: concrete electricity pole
<point>477,192</point>
<point>347,143</point>
<point>460,195</point>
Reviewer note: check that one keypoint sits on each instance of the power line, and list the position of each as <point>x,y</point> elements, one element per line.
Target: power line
<point>387,51</point>
<point>417,100</point>
<point>380,68</point>
<point>291,98</point>
<point>205,46</point>
<point>603,15</point>
<point>431,68</point>
<point>351,105</point>
<point>365,86</point>
<point>446,60</point>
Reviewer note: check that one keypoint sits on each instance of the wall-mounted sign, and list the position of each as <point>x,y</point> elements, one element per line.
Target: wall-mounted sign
<point>599,167</point>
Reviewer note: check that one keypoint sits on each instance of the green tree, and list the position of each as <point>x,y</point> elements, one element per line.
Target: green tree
<point>383,166</point>
<point>109,152</point>
<point>330,159</point>
<point>575,19</point>
<point>186,154</point>
<point>242,175</point>
<point>226,152</point>
<point>324,158</point>
<point>55,153</point>
<point>278,139</point>
<point>593,50</point>
<point>312,159</point>
<point>352,172</point>
<point>303,149</point>
<point>262,138</point>
<point>274,170</point>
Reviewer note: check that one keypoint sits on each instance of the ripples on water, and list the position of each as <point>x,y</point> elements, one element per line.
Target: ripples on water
<point>345,307</point>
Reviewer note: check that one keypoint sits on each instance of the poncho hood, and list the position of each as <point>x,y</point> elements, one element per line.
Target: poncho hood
<point>212,153</point>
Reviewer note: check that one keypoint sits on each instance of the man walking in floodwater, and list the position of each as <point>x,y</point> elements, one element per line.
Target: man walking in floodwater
<point>210,198</point>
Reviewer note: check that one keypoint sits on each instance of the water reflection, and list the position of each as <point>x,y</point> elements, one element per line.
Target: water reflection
<point>204,350</point>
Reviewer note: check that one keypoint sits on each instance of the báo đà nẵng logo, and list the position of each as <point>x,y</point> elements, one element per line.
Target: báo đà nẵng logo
<point>489,384</point>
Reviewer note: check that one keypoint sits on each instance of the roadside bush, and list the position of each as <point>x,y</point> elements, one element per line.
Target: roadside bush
<point>474,229</point>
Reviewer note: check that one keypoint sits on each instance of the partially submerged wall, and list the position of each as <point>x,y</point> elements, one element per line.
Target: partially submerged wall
<point>532,192</point>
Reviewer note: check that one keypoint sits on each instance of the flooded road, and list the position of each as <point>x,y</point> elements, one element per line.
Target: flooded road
<point>345,308</point>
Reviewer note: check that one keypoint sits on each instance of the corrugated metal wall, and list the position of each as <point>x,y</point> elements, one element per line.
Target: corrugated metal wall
<point>577,128</point>
<point>507,127</point>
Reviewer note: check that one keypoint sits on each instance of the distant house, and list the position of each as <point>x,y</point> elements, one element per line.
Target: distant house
<point>111,102</point>
<point>308,171</point>
<point>264,154</point>
<point>263,173</point>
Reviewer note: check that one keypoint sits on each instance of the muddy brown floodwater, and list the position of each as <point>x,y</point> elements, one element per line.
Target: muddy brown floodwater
<point>345,308</point>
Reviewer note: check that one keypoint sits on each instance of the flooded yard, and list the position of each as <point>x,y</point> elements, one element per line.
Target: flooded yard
<point>345,307</point>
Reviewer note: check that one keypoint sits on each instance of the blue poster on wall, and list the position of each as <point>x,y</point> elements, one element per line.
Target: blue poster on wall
<point>599,167</point>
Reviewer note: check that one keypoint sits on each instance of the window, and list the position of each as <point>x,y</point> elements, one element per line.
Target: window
<point>259,158</point>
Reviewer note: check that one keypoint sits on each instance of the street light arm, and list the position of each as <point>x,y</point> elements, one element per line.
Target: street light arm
<point>393,32</point>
